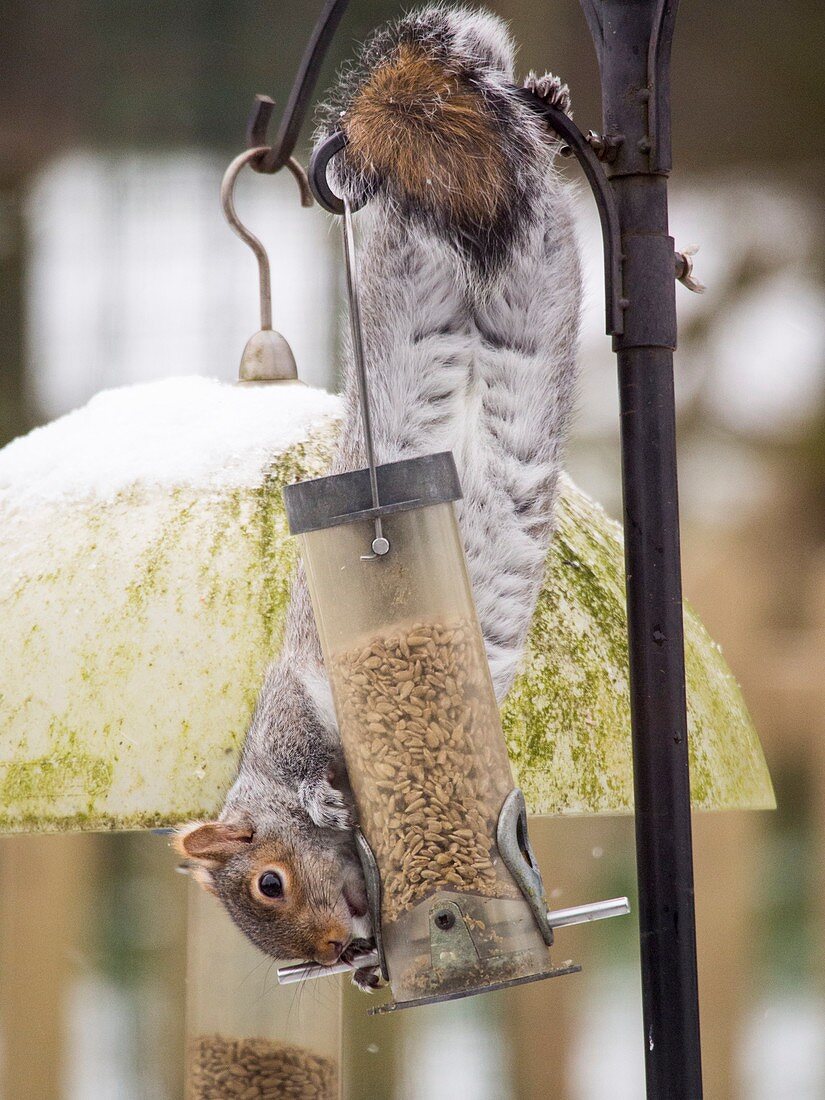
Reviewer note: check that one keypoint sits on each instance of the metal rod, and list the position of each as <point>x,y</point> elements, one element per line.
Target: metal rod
<point>558,918</point>
<point>633,47</point>
<point>300,96</point>
<point>582,914</point>
<point>380,545</point>
<point>664,856</point>
<point>300,972</point>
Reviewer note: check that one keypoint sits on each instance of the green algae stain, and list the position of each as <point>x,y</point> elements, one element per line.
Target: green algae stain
<point>567,718</point>
<point>65,772</point>
<point>276,551</point>
<point>725,770</point>
<point>566,721</point>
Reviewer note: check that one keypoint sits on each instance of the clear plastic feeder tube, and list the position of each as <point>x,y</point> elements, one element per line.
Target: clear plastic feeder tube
<point>420,726</point>
<point>246,1035</point>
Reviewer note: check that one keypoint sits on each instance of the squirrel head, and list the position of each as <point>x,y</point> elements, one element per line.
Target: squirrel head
<point>294,896</point>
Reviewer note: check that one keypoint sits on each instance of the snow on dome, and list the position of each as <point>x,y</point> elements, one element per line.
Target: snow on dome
<point>193,431</point>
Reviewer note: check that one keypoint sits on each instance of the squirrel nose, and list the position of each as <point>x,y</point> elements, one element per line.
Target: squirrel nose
<point>329,951</point>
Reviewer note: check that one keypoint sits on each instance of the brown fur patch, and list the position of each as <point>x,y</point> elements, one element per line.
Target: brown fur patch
<point>422,126</point>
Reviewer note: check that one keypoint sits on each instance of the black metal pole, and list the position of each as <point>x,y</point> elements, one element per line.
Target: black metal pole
<point>633,44</point>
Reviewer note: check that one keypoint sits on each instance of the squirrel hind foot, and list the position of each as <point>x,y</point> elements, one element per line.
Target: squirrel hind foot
<point>367,979</point>
<point>327,807</point>
<point>550,90</point>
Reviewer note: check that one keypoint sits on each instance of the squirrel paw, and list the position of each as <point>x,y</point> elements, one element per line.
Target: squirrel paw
<point>550,89</point>
<point>367,979</point>
<point>327,806</point>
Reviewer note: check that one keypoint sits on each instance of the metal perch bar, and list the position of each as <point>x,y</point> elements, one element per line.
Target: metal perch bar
<point>557,918</point>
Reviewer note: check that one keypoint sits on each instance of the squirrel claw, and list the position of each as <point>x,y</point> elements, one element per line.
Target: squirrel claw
<point>550,89</point>
<point>367,979</point>
<point>327,806</point>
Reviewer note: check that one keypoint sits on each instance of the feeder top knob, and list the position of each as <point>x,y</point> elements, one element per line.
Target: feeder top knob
<point>267,357</point>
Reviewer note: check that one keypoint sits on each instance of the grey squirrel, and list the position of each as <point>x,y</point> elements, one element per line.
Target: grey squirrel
<point>471,294</point>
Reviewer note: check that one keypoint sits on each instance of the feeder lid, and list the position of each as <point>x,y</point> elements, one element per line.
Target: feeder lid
<point>347,498</point>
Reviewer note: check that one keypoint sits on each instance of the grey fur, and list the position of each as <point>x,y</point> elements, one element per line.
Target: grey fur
<point>480,361</point>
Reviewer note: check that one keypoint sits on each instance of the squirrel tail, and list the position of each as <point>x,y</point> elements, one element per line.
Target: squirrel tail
<point>436,129</point>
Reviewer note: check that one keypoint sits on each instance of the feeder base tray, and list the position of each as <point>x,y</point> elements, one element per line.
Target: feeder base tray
<point>394,1006</point>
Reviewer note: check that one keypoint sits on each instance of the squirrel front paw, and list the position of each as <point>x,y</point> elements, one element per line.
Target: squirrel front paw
<point>550,90</point>
<point>328,807</point>
<point>365,978</point>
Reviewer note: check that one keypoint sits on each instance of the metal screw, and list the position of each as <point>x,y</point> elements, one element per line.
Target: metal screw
<point>444,920</point>
<point>684,270</point>
<point>605,146</point>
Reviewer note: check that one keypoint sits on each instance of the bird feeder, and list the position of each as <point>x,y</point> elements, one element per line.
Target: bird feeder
<point>246,1035</point>
<point>456,897</point>
<point>420,728</point>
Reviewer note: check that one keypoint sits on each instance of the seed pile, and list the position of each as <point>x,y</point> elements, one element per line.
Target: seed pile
<point>422,979</point>
<point>421,727</point>
<point>257,1069</point>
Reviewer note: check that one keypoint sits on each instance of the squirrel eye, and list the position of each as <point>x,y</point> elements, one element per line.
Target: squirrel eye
<point>271,884</point>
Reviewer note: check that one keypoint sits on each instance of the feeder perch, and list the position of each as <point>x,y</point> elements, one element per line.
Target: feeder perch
<point>456,906</point>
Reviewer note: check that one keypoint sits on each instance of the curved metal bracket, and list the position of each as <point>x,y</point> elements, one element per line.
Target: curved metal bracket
<point>299,97</point>
<point>563,125</point>
<point>514,845</point>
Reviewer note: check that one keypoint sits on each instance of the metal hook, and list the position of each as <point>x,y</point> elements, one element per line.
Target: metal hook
<point>267,356</point>
<point>256,128</point>
<point>318,182</point>
<point>228,204</point>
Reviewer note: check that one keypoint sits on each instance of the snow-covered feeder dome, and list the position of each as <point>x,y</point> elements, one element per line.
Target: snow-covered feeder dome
<point>144,575</point>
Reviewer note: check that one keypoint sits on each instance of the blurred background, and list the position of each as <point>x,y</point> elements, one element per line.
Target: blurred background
<point>117,122</point>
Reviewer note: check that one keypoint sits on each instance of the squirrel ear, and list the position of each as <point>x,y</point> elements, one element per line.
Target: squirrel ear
<point>213,842</point>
